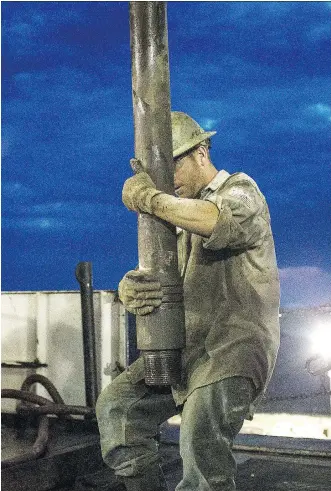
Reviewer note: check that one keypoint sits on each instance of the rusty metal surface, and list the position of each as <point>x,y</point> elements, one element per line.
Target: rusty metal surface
<point>157,244</point>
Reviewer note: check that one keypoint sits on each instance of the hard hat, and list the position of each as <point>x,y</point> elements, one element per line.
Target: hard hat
<point>186,133</point>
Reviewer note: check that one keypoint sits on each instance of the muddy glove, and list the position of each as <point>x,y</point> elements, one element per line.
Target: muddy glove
<point>140,292</point>
<point>138,192</point>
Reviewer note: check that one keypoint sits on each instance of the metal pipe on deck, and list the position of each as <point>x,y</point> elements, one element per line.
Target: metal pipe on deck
<point>161,334</point>
<point>84,277</point>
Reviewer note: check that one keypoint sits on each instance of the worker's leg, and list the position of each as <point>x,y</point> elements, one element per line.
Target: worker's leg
<point>212,416</point>
<point>129,413</point>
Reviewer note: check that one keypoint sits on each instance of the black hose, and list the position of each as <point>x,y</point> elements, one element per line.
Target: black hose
<point>46,406</point>
<point>59,409</point>
<point>46,383</point>
<point>25,396</point>
<point>38,449</point>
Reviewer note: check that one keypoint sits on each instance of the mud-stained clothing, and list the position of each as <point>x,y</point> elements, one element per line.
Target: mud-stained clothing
<point>129,415</point>
<point>231,297</point>
<point>231,291</point>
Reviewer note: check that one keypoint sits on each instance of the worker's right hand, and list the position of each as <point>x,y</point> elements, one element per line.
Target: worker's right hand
<point>138,193</point>
<point>140,292</point>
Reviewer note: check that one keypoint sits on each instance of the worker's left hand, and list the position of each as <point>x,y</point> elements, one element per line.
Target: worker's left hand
<point>140,292</point>
<point>138,192</point>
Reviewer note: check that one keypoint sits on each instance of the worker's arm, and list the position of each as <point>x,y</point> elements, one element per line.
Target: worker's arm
<point>194,215</point>
<point>239,219</point>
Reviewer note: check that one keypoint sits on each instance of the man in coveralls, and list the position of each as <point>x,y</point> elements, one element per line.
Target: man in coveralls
<point>231,297</point>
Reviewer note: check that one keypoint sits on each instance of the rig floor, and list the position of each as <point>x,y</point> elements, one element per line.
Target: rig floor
<point>73,452</point>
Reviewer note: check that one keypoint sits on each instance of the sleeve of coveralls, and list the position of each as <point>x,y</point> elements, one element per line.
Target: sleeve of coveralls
<point>242,221</point>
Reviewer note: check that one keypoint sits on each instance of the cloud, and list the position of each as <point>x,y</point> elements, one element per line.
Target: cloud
<point>250,46</point>
<point>260,78</point>
<point>16,190</point>
<point>71,106</point>
<point>66,216</point>
<point>322,110</point>
<point>304,286</point>
<point>63,128</point>
<point>208,123</point>
<point>319,32</point>
<point>24,27</point>
<point>58,33</point>
<point>227,14</point>
<point>27,224</point>
<point>313,118</point>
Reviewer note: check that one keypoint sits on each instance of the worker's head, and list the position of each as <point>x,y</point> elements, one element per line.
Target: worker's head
<point>193,167</point>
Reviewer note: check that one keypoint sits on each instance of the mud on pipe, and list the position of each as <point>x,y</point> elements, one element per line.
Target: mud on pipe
<point>161,334</point>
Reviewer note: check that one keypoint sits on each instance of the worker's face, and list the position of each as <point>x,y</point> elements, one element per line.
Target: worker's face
<point>188,176</point>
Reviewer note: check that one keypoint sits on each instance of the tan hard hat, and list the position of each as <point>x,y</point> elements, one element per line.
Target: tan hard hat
<point>186,133</point>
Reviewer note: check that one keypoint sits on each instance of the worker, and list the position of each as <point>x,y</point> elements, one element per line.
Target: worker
<point>228,265</point>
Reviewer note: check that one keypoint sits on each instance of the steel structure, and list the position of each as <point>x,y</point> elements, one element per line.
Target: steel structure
<point>84,277</point>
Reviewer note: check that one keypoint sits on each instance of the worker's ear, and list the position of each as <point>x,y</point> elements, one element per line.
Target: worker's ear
<point>202,155</point>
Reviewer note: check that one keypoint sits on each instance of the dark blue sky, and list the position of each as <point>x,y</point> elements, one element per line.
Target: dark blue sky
<point>257,72</point>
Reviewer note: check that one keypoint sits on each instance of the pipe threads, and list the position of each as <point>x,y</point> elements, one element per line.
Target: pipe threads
<point>162,367</point>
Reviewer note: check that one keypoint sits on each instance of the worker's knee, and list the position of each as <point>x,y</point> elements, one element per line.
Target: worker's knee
<point>117,421</point>
<point>237,394</point>
<point>220,407</point>
<point>124,429</point>
<point>109,399</point>
<point>111,412</point>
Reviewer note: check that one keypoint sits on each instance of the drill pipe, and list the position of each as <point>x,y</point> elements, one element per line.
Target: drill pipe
<point>161,334</point>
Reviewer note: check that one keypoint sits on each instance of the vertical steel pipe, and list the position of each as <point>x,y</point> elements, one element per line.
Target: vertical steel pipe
<point>160,335</point>
<point>84,277</point>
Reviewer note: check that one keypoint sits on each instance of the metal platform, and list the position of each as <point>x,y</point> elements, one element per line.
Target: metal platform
<point>73,451</point>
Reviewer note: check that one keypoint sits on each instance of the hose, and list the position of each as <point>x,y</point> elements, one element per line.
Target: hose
<point>46,383</point>
<point>45,407</point>
<point>38,449</point>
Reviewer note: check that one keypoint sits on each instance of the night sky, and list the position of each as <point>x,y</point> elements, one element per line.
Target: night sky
<point>257,72</point>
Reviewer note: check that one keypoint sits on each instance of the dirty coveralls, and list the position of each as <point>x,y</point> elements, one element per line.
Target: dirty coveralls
<point>231,298</point>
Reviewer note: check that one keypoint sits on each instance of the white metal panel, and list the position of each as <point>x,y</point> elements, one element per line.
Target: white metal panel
<point>47,326</point>
<point>18,337</point>
<point>18,340</point>
<point>64,346</point>
<point>113,342</point>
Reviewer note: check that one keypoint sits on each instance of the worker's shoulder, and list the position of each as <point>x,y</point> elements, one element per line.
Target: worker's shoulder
<point>240,178</point>
<point>239,184</point>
